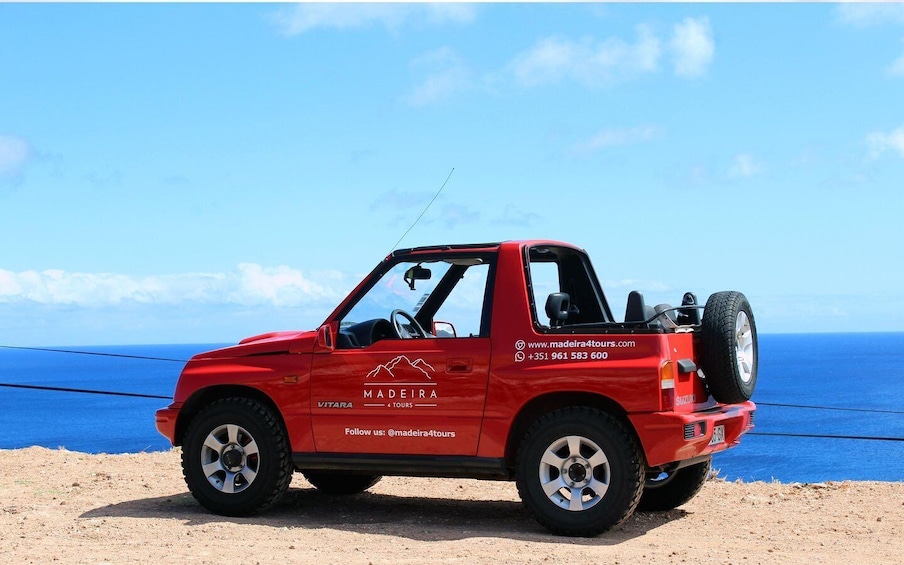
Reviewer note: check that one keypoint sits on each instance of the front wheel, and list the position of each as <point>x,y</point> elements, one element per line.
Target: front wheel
<point>579,472</point>
<point>236,457</point>
<point>666,491</point>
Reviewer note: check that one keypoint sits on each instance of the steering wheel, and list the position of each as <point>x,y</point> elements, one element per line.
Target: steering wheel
<point>406,331</point>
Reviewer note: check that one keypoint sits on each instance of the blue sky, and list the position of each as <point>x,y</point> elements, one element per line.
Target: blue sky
<point>199,173</point>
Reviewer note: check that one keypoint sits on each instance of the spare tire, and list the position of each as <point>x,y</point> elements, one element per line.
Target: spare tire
<point>729,347</point>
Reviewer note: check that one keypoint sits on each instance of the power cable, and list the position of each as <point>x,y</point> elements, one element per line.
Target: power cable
<point>154,396</point>
<point>871,411</point>
<point>93,353</point>
<point>826,436</point>
<point>85,391</point>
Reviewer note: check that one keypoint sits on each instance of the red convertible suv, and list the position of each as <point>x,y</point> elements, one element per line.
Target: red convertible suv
<point>494,361</point>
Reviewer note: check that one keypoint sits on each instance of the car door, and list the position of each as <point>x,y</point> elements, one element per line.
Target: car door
<point>401,396</point>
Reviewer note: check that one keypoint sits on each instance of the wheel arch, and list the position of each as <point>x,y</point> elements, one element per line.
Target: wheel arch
<point>547,403</point>
<point>207,395</point>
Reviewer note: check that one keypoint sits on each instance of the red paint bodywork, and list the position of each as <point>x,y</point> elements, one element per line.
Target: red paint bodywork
<point>477,389</point>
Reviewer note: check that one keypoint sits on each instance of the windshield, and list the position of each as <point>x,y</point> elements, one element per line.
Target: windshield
<point>451,291</point>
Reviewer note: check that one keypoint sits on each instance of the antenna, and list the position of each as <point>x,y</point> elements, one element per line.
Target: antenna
<point>424,212</point>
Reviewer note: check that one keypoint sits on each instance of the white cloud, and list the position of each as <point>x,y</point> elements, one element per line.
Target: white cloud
<point>454,12</point>
<point>250,284</point>
<point>439,86</point>
<point>13,154</point>
<point>395,200</point>
<point>692,47</point>
<point>454,215</point>
<point>342,16</point>
<point>587,61</point>
<point>616,137</point>
<point>863,14</point>
<point>593,63</point>
<point>283,286</point>
<point>880,142</point>
<point>512,216</point>
<point>867,14</point>
<point>897,67</point>
<point>446,76</point>
<point>744,166</point>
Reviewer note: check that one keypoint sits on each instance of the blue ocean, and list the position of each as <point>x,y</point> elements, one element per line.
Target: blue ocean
<point>831,406</point>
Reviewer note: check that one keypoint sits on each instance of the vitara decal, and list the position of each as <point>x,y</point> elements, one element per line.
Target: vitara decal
<point>331,404</point>
<point>401,383</point>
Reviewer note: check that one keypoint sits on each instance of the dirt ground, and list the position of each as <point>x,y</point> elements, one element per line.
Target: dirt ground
<point>69,507</point>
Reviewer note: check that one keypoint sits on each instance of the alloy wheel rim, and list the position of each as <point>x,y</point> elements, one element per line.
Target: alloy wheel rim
<point>230,459</point>
<point>744,347</point>
<point>574,473</point>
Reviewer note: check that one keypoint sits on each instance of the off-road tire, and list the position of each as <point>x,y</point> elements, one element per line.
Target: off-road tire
<point>236,458</point>
<point>729,350</point>
<point>593,449</point>
<point>340,484</point>
<point>674,489</point>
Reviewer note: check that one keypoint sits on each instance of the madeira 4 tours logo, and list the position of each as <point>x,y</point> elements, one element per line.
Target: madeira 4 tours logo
<point>401,383</point>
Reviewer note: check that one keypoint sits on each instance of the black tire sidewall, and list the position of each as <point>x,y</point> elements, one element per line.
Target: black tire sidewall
<point>719,359</point>
<point>259,422</point>
<point>682,486</point>
<point>626,473</point>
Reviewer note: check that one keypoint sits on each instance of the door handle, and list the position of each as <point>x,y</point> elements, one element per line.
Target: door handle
<point>458,365</point>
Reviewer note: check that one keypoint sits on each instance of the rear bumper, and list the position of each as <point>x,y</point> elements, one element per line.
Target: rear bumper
<point>166,422</point>
<point>662,434</point>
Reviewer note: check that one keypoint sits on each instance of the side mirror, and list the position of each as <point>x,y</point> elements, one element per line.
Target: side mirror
<point>325,339</point>
<point>444,329</point>
<point>417,273</point>
<point>558,305</point>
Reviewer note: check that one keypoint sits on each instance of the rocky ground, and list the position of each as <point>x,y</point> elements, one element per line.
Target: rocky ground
<point>57,505</point>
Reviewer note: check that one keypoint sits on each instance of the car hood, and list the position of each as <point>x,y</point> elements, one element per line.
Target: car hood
<point>273,343</point>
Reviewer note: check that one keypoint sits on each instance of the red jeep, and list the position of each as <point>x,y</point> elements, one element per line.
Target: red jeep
<point>489,361</point>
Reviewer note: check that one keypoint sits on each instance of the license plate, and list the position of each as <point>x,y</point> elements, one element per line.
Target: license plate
<point>718,435</point>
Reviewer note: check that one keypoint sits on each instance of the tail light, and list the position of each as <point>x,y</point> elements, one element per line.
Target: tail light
<point>667,386</point>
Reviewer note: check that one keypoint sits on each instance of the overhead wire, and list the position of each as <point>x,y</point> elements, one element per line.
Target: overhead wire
<point>76,352</point>
<point>826,436</point>
<point>167,359</point>
<point>838,408</point>
<point>84,391</point>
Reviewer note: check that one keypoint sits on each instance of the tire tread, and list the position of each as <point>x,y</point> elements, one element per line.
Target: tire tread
<point>717,357</point>
<point>684,486</point>
<point>275,430</point>
<point>635,462</point>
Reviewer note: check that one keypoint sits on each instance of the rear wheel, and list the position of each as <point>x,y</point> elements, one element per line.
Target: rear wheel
<point>729,347</point>
<point>579,472</point>
<point>665,491</point>
<point>236,458</point>
<point>341,483</point>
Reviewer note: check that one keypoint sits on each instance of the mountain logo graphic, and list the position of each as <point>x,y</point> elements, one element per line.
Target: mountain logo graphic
<point>418,364</point>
